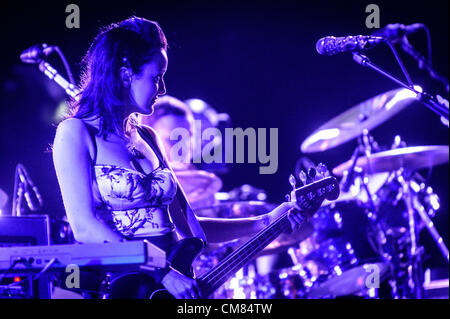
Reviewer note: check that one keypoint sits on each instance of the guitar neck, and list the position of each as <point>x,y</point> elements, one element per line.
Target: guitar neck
<point>216,277</point>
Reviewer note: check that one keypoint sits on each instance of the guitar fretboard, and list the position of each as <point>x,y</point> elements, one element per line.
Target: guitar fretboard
<point>242,256</point>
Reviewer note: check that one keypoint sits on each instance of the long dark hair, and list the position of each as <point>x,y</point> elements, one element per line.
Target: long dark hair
<point>128,43</point>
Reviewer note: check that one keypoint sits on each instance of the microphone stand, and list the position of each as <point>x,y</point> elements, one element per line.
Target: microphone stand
<point>425,98</point>
<point>22,187</point>
<point>423,62</point>
<point>52,74</point>
<point>18,195</point>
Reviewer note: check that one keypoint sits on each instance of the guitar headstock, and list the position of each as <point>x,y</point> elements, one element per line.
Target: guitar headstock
<point>317,185</point>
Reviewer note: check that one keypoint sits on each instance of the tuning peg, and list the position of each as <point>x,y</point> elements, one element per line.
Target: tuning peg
<point>322,170</point>
<point>312,173</point>
<point>302,177</point>
<point>292,181</point>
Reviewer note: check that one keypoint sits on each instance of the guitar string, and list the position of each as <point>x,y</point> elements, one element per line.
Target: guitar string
<point>216,276</point>
<point>224,268</point>
<point>216,283</point>
<point>209,278</point>
<point>244,247</point>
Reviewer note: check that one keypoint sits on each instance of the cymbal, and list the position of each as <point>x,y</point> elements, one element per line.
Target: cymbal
<point>364,116</point>
<point>198,184</point>
<point>235,209</point>
<point>3,198</point>
<point>410,158</point>
<point>357,193</point>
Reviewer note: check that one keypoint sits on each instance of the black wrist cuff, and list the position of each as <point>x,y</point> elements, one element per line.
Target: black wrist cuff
<point>160,273</point>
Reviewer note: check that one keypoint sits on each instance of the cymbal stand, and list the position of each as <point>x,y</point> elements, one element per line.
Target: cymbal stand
<point>387,243</point>
<point>414,270</point>
<point>376,236</point>
<point>423,63</point>
<point>366,143</point>
<point>415,204</point>
<point>420,209</point>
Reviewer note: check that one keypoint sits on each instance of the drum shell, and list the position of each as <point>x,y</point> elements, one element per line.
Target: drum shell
<point>337,258</point>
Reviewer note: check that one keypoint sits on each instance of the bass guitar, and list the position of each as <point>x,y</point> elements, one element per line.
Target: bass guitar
<point>309,199</point>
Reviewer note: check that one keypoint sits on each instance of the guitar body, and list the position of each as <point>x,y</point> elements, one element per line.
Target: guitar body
<point>139,285</point>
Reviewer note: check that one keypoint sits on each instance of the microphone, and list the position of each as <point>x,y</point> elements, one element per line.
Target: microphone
<point>28,183</point>
<point>396,31</point>
<point>36,53</point>
<point>335,45</point>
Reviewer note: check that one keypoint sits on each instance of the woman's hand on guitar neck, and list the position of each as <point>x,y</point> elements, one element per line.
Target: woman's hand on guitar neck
<point>180,286</point>
<point>295,216</point>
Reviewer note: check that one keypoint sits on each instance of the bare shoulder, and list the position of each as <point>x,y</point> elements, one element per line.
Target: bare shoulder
<point>73,132</point>
<point>71,126</point>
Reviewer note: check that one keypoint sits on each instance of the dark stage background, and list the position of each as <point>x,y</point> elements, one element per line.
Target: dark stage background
<point>253,60</point>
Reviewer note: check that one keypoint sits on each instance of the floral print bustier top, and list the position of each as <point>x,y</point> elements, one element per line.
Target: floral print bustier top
<point>133,203</point>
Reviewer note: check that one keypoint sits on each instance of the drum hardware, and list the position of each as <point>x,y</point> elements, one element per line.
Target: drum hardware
<point>403,162</point>
<point>436,283</point>
<point>392,244</point>
<point>366,144</point>
<point>384,239</point>
<point>416,213</point>
<point>409,158</point>
<point>396,238</point>
<point>395,243</point>
<point>331,262</point>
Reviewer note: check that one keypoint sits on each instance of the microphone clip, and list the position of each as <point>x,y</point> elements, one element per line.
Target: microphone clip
<point>37,53</point>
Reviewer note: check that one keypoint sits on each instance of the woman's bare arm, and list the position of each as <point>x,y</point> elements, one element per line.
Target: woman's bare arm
<point>222,229</point>
<point>225,229</point>
<point>72,153</point>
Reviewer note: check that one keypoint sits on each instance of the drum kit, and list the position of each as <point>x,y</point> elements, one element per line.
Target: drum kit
<point>351,247</point>
<point>363,245</point>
